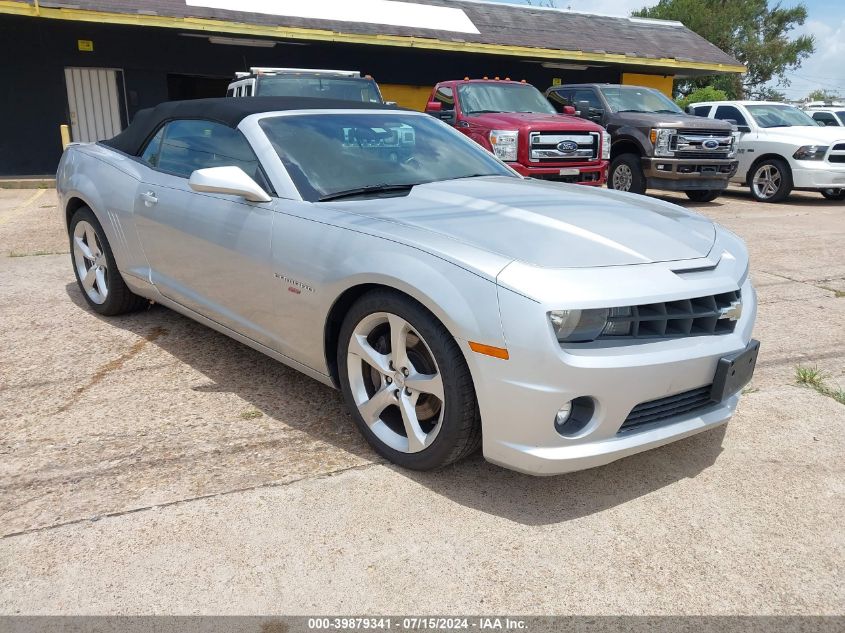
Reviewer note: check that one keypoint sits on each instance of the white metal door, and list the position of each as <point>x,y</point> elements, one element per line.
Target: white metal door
<point>94,102</point>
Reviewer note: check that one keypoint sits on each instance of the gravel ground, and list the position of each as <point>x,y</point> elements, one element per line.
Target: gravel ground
<point>151,465</point>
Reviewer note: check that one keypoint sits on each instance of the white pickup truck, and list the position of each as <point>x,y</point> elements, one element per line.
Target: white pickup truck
<point>781,148</point>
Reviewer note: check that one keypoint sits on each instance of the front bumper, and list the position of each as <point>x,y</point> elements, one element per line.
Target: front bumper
<point>811,174</point>
<point>520,397</point>
<point>682,174</point>
<point>586,174</point>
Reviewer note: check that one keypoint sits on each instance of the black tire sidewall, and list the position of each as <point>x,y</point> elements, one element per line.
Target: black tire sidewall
<point>831,196</point>
<point>785,180</point>
<point>449,360</point>
<point>113,303</point>
<point>638,180</point>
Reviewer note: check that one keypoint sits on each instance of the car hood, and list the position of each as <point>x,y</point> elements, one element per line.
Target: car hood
<point>806,134</point>
<point>510,120</point>
<point>668,120</point>
<point>544,224</point>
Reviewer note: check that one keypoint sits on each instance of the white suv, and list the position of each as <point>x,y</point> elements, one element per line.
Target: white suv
<point>782,148</point>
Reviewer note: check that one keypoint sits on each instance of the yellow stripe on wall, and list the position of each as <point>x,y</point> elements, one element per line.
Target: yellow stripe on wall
<point>662,82</point>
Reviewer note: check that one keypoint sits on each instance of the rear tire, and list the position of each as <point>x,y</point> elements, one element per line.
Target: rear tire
<point>770,180</point>
<point>96,272</point>
<point>703,195</point>
<point>833,194</point>
<point>406,383</point>
<point>626,174</point>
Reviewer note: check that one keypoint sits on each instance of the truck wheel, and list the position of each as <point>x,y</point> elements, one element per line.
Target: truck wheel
<point>770,181</point>
<point>626,174</point>
<point>833,194</point>
<point>703,195</point>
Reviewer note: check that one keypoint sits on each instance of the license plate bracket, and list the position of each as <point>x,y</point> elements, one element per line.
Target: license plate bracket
<point>734,372</point>
<point>570,171</point>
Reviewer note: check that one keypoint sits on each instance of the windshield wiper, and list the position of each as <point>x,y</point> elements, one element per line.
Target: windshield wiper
<point>370,189</point>
<point>643,111</point>
<point>470,176</point>
<point>471,112</point>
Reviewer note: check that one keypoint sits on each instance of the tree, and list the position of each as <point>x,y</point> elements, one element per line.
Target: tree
<point>756,35</point>
<point>823,95</point>
<point>707,93</point>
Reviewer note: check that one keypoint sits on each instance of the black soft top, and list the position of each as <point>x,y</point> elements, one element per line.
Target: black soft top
<point>229,111</point>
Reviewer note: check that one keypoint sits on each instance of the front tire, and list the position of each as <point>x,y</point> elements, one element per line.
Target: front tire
<point>96,272</point>
<point>770,181</point>
<point>406,383</point>
<point>626,174</point>
<point>833,194</point>
<point>703,195</point>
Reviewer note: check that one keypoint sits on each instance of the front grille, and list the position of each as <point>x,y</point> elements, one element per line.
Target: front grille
<point>701,316</point>
<point>692,132</point>
<point>837,159</point>
<point>839,147</point>
<point>543,147</point>
<point>669,407</point>
<point>702,154</point>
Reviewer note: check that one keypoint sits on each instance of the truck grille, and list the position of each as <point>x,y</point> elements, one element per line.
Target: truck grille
<point>545,147</point>
<point>664,408</point>
<point>837,154</point>
<point>701,316</point>
<point>691,144</point>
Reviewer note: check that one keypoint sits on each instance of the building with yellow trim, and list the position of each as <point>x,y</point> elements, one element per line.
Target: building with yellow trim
<point>92,64</point>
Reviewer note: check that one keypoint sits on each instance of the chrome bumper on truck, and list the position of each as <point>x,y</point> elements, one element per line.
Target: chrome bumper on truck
<point>682,174</point>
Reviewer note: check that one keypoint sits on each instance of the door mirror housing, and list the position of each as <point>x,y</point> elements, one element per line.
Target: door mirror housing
<point>569,110</point>
<point>229,180</point>
<point>586,112</point>
<point>433,106</point>
<point>743,128</point>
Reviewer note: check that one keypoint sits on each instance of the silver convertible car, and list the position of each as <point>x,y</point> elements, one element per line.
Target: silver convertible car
<point>453,302</point>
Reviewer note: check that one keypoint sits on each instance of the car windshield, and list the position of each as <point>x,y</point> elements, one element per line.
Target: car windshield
<point>637,99</point>
<point>329,154</point>
<point>346,89</point>
<point>841,115</point>
<point>777,115</point>
<point>479,98</point>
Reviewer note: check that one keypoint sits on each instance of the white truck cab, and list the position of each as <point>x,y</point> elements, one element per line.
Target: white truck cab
<point>347,85</point>
<point>782,148</point>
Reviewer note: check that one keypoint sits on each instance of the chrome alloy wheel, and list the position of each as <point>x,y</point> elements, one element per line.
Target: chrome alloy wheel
<point>767,181</point>
<point>623,178</point>
<point>395,382</point>
<point>90,261</point>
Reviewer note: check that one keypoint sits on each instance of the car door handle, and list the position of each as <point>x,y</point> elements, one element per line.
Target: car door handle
<point>149,198</point>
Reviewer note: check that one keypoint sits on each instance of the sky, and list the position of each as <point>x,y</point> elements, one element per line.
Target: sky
<point>825,20</point>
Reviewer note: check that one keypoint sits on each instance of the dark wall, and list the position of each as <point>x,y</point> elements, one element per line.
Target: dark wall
<point>33,102</point>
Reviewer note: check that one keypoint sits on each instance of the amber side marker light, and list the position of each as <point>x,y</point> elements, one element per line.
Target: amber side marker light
<point>489,350</point>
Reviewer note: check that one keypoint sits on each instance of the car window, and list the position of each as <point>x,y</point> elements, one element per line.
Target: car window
<point>589,96</point>
<point>444,96</point>
<point>730,112</point>
<point>477,98</point>
<point>779,115</point>
<point>561,98</point>
<point>150,153</point>
<point>248,90</point>
<point>188,145</point>
<point>638,99</point>
<point>701,110</point>
<point>826,117</point>
<point>343,88</point>
<point>326,154</point>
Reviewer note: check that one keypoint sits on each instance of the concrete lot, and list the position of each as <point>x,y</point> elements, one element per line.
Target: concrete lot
<point>150,465</point>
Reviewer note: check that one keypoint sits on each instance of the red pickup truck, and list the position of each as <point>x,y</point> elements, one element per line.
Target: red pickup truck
<point>515,122</point>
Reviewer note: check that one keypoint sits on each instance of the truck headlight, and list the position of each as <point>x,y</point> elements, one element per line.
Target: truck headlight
<point>505,143</point>
<point>605,145</point>
<point>734,145</point>
<point>811,152</point>
<point>662,141</point>
<point>573,326</point>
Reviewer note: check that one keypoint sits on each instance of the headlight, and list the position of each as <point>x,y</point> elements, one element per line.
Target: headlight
<point>734,145</point>
<point>605,145</point>
<point>572,326</point>
<point>811,152</point>
<point>504,144</point>
<point>662,141</point>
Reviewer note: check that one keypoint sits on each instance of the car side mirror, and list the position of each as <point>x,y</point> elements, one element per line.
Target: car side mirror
<point>433,106</point>
<point>690,110</point>
<point>229,180</point>
<point>743,128</point>
<point>569,110</point>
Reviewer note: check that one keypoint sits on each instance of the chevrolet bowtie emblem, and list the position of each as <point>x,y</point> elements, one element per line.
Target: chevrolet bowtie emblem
<point>731,312</point>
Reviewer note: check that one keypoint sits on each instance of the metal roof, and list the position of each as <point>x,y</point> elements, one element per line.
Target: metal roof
<point>503,29</point>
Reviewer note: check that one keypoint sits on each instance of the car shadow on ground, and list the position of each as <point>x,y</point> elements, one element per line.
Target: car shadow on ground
<point>233,367</point>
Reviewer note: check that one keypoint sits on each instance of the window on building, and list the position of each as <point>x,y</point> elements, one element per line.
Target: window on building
<point>727,112</point>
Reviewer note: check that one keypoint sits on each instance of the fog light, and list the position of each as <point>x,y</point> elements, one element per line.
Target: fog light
<point>563,415</point>
<point>574,416</point>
